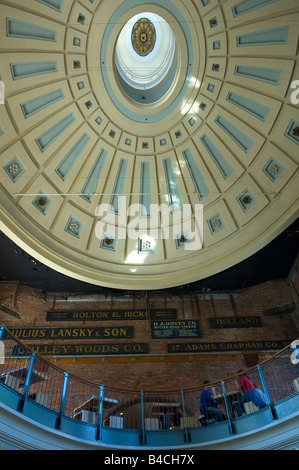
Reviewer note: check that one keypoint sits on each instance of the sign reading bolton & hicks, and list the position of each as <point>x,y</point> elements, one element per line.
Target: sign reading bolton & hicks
<point>175,329</point>
<point>83,349</point>
<point>73,333</point>
<point>235,322</point>
<point>226,346</point>
<point>96,315</point>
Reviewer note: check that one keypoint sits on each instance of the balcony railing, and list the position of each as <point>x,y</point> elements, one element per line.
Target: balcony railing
<point>39,389</point>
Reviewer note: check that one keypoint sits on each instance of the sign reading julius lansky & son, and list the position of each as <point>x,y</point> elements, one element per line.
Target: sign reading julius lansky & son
<point>73,333</point>
<point>97,315</point>
<point>235,322</point>
<point>175,329</point>
<point>83,349</point>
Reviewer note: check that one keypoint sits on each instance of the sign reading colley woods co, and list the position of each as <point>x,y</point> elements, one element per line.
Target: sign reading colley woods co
<point>83,349</point>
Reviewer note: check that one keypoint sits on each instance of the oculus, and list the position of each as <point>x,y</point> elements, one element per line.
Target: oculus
<point>146,58</point>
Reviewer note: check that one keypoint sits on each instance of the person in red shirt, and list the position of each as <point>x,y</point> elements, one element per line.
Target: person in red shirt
<point>249,394</point>
<point>245,384</point>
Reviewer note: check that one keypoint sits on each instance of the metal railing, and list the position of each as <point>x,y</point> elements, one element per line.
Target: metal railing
<point>35,379</point>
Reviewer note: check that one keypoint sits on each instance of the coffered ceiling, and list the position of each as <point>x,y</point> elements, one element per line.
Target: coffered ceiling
<point>215,134</point>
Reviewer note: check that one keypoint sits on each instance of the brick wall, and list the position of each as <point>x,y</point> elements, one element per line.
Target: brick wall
<point>158,369</point>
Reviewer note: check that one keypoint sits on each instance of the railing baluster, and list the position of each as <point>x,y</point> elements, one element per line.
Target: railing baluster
<point>27,381</point>
<point>184,416</point>
<point>100,412</point>
<point>228,408</point>
<point>63,399</point>
<point>265,388</point>
<point>142,417</point>
<point>2,329</point>
<point>266,392</point>
<point>66,395</point>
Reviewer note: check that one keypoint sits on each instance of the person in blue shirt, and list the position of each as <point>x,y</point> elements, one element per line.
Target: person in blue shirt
<point>209,407</point>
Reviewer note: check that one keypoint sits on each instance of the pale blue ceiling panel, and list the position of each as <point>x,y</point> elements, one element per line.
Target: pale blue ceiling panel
<point>29,69</point>
<point>93,177</point>
<point>197,178</point>
<point>235,133</point>
<point>265,37</point>
<point>172,188</point>
<point>22,29</point>
<point>35,105</point>
<point>220,161</point>
<point>50,135</point>
<point>71,157</point>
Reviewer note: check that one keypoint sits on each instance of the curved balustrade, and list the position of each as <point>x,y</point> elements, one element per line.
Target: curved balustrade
<point>105,415</point>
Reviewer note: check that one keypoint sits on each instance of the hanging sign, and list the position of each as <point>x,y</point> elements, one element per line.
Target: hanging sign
<point>235,322</point>
<point>73,333</point>
<point>163,314</point>
<point>83,349</point>
<point>97,315</point>
<point>175,329</point>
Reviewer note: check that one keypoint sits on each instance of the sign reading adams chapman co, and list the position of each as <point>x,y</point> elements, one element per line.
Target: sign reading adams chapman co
<point>226,346</point>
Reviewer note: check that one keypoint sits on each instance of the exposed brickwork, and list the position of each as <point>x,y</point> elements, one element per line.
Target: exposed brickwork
<point>32,307</point>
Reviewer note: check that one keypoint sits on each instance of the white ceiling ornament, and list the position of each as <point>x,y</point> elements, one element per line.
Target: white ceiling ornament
<point>134,172</point>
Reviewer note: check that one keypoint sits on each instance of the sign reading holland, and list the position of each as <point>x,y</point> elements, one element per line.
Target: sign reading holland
<point>235,322</point>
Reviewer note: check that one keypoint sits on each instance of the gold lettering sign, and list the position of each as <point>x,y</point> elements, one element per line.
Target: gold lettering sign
<point>110,315</point>
<point>73,333</point>
<point>84,349</point>
<point>235,322</point>
<point>226,346</point>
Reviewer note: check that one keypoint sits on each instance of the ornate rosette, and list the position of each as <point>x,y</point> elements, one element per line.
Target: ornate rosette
<point>143,37</point>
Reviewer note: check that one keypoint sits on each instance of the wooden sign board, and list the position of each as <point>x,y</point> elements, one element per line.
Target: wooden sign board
<point>235,322</point>
<point>106,332</point>
<point>175,329</point>
<point>109,315</point>
<point>226,346</point>
<point>84,349</point>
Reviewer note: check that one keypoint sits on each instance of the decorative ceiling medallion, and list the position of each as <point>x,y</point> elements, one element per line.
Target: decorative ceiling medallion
<point>246,199</point>
<point>143,37</point>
